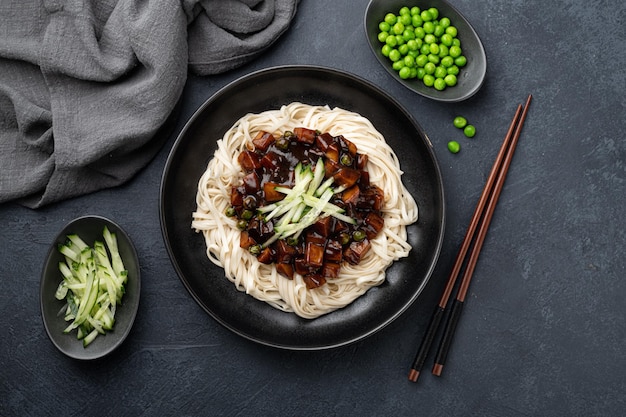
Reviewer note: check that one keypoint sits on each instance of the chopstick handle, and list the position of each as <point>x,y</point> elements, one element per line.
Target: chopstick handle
<point>448,335</point>
<point>427,341</point>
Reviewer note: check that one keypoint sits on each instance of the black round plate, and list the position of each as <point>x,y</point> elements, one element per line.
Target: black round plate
<point>269,89</point>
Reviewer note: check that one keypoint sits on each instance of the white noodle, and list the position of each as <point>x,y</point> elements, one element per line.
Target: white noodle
<point>262,281</point>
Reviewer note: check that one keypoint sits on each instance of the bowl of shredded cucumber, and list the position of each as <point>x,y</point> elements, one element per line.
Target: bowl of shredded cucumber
<point>90,288</point>
<point>428,46</point>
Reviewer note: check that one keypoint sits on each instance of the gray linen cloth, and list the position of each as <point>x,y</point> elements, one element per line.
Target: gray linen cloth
<point>85,85</point>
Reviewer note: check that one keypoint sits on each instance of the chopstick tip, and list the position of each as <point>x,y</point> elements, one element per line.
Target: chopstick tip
<point>437,369</point>
<point>413,375</point>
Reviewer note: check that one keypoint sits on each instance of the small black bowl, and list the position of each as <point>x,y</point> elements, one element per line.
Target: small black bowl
<point>472,75</point>
<point>89,228</point>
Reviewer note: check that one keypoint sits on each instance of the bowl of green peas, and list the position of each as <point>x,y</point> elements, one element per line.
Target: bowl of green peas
<point>427,46</point>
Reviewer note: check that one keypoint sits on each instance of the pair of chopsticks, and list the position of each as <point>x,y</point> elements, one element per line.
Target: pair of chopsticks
<point>484,211</point>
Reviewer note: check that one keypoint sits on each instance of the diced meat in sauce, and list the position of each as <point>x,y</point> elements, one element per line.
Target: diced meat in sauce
<point>318,252</point>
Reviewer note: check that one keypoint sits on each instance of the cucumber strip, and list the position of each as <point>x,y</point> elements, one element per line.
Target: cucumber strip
<point>77,241</point>
<point>111,241</point>
<point>284,208</point>
<point>299,213</point>
<point>267,208</point>
<point>318,177</point>
<point>324,186</point>
<point>68,252</point>
<point>328,207</point>
<point>108,319</point>
<point>61,291</point>
<point>96,324</point>
<point>90,338</point>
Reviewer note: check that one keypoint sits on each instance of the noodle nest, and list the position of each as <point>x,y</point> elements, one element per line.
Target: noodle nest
<point>263,281</point>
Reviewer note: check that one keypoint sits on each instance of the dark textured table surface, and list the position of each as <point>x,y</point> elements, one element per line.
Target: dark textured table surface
<point>543,331</point>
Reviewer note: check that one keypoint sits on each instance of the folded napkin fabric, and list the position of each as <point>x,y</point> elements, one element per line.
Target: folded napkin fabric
<point>85,85</point>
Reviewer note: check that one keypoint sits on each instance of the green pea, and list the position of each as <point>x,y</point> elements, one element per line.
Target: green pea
<point>426,15</point>
<point>459,122</point>
<point>416,20</point>
<point>421,60</point>
<point>405,19</point>
<point>429,27</point>
<point>434,12</point>
<point>440,72</point>
<point>282,143</point>
<point>255,249</point>
<point>382,36</point>
<point>409,61</point>
<point>420,72</point>
<point>447,61</point>
<point>434,49</point>
<point>450,80</point>
<point>403,49</point>
<point>443,51</point>
<point>419,32</point>
<point>398,28</point>
<point>242,224</point>
<point>405,72</point>
<point>391,41</point>
<point>358,235</point>
<point>413,45</point>
<point>230,211</point>
<point>453,146</point>
<point>391,19</point>
<point>430,68</point>
<point>445,22</point>
<point>456,42</point>
<point>384,26</point>
<point>452,31</point>
<point>453,70</point>
<point>425,49</point>
<point>460,61</point>
<point>446,39</point>
<point>454,51</point>
<point>398,65</point>
<point>415,10</point>
<point>428,80</point>
<point>385,50</point>
<point>404,10</point>
<point>430,39</point>
<point>469,131</point>
<point>395,55</point>
<point>434,59</point>
<point>440,84</point>
<point>408,34</point>
<point>439,30</point>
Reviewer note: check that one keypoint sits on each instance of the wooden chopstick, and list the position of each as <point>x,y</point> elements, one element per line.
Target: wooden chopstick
<point>490,197</point>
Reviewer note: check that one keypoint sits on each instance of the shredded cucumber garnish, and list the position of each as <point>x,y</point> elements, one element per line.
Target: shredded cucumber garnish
<point>304,204</point>
<point>93,285</point>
